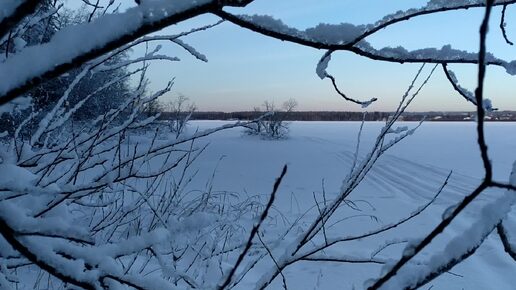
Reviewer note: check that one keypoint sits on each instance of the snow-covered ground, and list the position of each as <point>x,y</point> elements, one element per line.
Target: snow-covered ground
<point>402,180</point>
<point>232,179</point>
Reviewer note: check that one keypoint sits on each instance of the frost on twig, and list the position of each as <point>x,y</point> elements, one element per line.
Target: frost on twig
<point>465,93</point>
<point>349,37</point>
<point>85,223</point>
<point>321,71</point>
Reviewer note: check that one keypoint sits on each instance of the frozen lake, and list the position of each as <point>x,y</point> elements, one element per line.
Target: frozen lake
<point>403,179</point>
<point>444,145</point>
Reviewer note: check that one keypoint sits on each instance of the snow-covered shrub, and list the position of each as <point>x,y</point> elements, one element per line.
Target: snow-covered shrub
<point>178,113</point>
<point>98,205</point>
<point>273,124</point>
<point>95,203</point>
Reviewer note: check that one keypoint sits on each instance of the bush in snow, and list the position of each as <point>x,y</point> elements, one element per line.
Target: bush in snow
<point>177,114</point>
<point>98,196</point>
<point>273,124</point>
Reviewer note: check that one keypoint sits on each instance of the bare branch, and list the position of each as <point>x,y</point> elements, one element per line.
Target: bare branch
<point>254,231</point>
<point>502,25</point>
<point>321,71</point>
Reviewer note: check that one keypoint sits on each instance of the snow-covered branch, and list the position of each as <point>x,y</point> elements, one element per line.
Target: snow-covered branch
<point>13,11</point>
<point>465,93</point>
<point>74,50</point>
<point>393,271</point>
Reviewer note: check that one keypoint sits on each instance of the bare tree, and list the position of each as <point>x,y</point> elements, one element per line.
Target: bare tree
<point>179,111</point>
<point>289,105</point>
<point>273,124</point>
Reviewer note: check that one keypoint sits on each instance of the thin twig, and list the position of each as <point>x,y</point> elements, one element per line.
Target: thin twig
<point>254,231</point>
<point>502,26</point>
<point>409,255</point>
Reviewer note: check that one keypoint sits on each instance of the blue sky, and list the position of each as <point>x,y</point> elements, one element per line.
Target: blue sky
<point>245,68</point>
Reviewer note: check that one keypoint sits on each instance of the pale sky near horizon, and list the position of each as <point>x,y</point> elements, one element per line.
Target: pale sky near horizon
<point>245,68</point>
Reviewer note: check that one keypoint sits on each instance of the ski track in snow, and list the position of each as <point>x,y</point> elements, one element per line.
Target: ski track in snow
<point>417,181</point>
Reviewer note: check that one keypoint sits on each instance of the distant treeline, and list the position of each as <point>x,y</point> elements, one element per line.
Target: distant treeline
<point>350,116</point>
